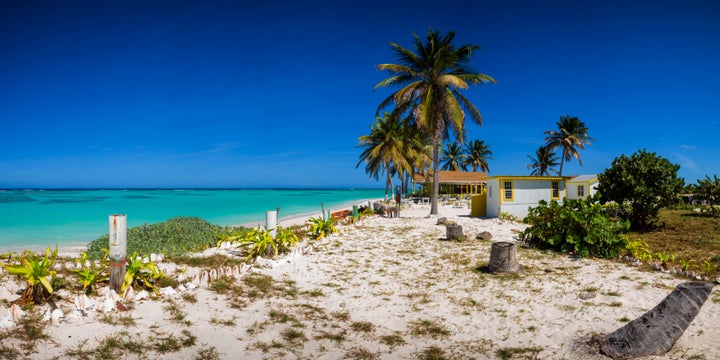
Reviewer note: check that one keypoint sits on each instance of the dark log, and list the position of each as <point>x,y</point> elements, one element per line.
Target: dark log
<point>502,258</point>
<point>657,330</point>
<point>453,231</point>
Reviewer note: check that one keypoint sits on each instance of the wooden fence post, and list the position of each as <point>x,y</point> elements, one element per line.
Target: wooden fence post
<point>118,250</point>
<point>271,222</point>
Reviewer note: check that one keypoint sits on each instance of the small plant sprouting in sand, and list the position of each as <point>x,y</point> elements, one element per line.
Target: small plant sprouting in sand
<point>336,337</point>
<point>293,335</point>
<point>362,326</point>
<point>360,353</point>
<point>191,298</point>
<point>510,352</point>
<point>226,322</point>
<point>686,263</point>
<point>393,340</point>
<point>624,319</point>
<point>207,353</point>
<point>175,312</point>
<point>428,328</point>
<point>119,320</point>
<point>340,315</point>
<point>432,353</point>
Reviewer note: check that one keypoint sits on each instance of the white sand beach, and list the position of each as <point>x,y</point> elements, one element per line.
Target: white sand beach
<point>385,288</point>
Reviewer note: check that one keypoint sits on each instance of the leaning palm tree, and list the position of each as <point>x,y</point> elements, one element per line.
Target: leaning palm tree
<point>430,79</point>
<point>478,154</point>
<point>383,150</point>
<point>571,136</point>
<point>544,162</point>
<point>452,157</point>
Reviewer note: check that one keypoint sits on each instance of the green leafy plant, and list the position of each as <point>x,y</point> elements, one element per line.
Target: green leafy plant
<point>707,267</point>
<point>260,242</point>
<point>578,226</point>
<point>664,258</point>
<point>638,249</point>
<point>144,274</point>
<point>319,228</point>
<point>686,263</point>
<point>285,239</point>
<point>91,272</point>
<point>38,274</point>
<point>645,182</point>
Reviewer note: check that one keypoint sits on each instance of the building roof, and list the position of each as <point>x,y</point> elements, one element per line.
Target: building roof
<point>454,177</point>
<point>584,178</point>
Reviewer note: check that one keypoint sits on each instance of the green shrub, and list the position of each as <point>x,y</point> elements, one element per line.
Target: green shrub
<point>173,237</point>
<point>579,226</point>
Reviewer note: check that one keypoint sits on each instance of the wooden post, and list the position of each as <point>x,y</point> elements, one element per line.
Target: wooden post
<point>453,231</point>
<point>118,250</point>
<point>271,222</point>
<point>502,258</point>
<point>322,206</point>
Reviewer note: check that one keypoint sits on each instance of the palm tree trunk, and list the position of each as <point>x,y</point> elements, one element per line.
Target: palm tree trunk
<point>561,166</point>
<point>436,175</point>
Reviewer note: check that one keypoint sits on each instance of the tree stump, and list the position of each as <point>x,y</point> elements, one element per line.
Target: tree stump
<point>502,258</point>
<point>453,231</point>
<point>657,330</point>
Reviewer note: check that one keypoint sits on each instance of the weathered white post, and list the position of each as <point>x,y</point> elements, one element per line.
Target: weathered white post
<point>271,222</point>
<point>118,250</point>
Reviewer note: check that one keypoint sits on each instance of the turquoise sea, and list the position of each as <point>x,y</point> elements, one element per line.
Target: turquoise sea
<point>37,218</point>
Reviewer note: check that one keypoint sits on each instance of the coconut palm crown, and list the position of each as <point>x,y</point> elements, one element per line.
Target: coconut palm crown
<point>544,162</point>
<point>384,149</point>
<point>478,154</point>
<point>430,78</point>
<point>572,135</point>
<point>453,158</point>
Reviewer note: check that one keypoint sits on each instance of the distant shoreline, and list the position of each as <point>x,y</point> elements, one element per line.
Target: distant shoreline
<point>75,248</point>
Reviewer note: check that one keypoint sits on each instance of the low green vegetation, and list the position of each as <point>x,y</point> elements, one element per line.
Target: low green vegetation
<point>578,226</point>
<point>683,238</point>
<point>38,273</point>
<point>320,228</point>
<point>173,237</point>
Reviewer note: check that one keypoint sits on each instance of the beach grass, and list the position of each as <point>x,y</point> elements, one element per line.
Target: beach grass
<point>689,237</point>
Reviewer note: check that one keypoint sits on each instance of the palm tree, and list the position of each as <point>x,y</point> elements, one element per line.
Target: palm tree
<point>383,150</point>
<point>571,135</point>
<point>478,155</point>
<point>452,157</point>
<point>544,162</point>
<point>430,79</point>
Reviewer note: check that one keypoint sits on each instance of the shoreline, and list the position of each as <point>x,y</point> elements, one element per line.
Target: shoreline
<point>74,249</point>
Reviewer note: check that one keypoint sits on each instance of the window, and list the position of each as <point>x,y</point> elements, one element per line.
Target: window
<point>508,190</point>
<point>556,190</point>
<point>581,191</point>
<point>489,191</point>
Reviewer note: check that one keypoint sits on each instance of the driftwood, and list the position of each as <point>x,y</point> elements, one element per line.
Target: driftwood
<point>657,330</point>
<point>453,231</point>
<point>502,258</point>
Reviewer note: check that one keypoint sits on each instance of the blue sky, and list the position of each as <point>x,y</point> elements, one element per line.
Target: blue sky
<point>226,94</point>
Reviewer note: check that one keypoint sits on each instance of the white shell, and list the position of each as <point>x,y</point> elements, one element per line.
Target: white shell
<point>213,275</point>
<point>109,305</point>
<point>169,291</point>
<point>129,293</point>
<point>142,295</point>
<point>16,313</point>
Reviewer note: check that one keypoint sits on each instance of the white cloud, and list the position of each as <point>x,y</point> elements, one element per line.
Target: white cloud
<point>688,147</point>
